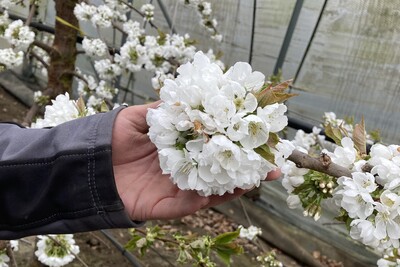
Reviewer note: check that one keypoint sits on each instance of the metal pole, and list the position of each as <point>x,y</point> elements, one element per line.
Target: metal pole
<point>166,15</point>
<point>252,31</point>
<point>288,36</point>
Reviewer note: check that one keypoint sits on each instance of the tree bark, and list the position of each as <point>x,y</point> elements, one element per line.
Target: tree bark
<point>63,56</point>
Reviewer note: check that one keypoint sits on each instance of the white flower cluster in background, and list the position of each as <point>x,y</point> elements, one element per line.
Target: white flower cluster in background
<point>63,109</point>
<point>18,36</point>
<point>249,233</point>
<point>56,250</point>
<point>148,12</point>
<point>207,21</point>
<point>160,55</point>
<point>8,3</point>
<point>10,59</point>
<point>209,124</point>
<point>94,47</point>
<point>369,199</point>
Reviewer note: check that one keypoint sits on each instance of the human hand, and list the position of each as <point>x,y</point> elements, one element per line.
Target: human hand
<point>146,193</point>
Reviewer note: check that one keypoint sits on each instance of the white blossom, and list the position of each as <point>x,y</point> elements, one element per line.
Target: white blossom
<point>103,16</point>
<point>148,11</point>
<point>344,155</point>
<point>84,12</point>
<point>94,47</point>
<point>55,254</point>
<point>363,231</point>
<point>293,201</point>
<point>18,35</point>
<point>106,69</point>
<point>355,194</point>
<point>8,3</point>
<point>62,110</point>
<point>132,29</point>
<point>10,59</point>
<point>249,233</point>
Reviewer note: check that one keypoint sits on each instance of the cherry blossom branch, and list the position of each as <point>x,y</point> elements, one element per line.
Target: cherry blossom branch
<point>138,12</point>
<point>323,164</point>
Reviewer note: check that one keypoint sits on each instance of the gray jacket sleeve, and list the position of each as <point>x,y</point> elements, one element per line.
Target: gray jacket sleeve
<point>59,180</point>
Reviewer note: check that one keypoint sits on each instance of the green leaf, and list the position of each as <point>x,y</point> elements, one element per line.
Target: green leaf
<point>104,107</point>
<point>360,138</point>
<point>333,133</point>
<point>131,245</point>
<point>265,152</point>
<point>225,251</point>
<point>225,257</point>
<point>226,237</point>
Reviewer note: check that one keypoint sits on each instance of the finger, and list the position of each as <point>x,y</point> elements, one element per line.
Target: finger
<point>184,203</point>
<point>273,175</point>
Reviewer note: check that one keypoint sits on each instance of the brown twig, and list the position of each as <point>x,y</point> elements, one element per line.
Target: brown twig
<point>44,46</point>
<point>40,59</point>
<point>32,12</point>
<point>303,160</point>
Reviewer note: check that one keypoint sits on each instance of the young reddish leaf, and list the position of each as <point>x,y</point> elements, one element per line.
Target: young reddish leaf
<point>274,94</point>
<point>360,138</point>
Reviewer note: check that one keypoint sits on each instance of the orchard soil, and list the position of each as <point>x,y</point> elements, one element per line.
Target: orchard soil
<point>96,249</point>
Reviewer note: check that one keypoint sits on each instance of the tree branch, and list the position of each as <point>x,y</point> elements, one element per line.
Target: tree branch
<point>37,57</point>
<point>44,46</point>
<point>32,12</point>
<point>303,160</point>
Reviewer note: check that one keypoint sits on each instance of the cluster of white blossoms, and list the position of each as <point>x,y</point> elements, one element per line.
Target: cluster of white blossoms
<point>56,250</point>
<point>102,15</point>
<point>10,59</point>
<point>205,13</point>
<point>249,233</point>
<point>369,200</point>
<point>17,35</point>
<point>8,3</point>
<point>372,200</point>
<point>148,12</point>
<point>63,109</point>
<point>160,55</point>
<point>209,125</point>
<point>94,47</point>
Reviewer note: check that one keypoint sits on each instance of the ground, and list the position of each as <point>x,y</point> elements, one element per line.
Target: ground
<point>97,249</point>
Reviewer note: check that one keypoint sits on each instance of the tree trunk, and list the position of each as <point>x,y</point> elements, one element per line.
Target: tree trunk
<point>62,58</point>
